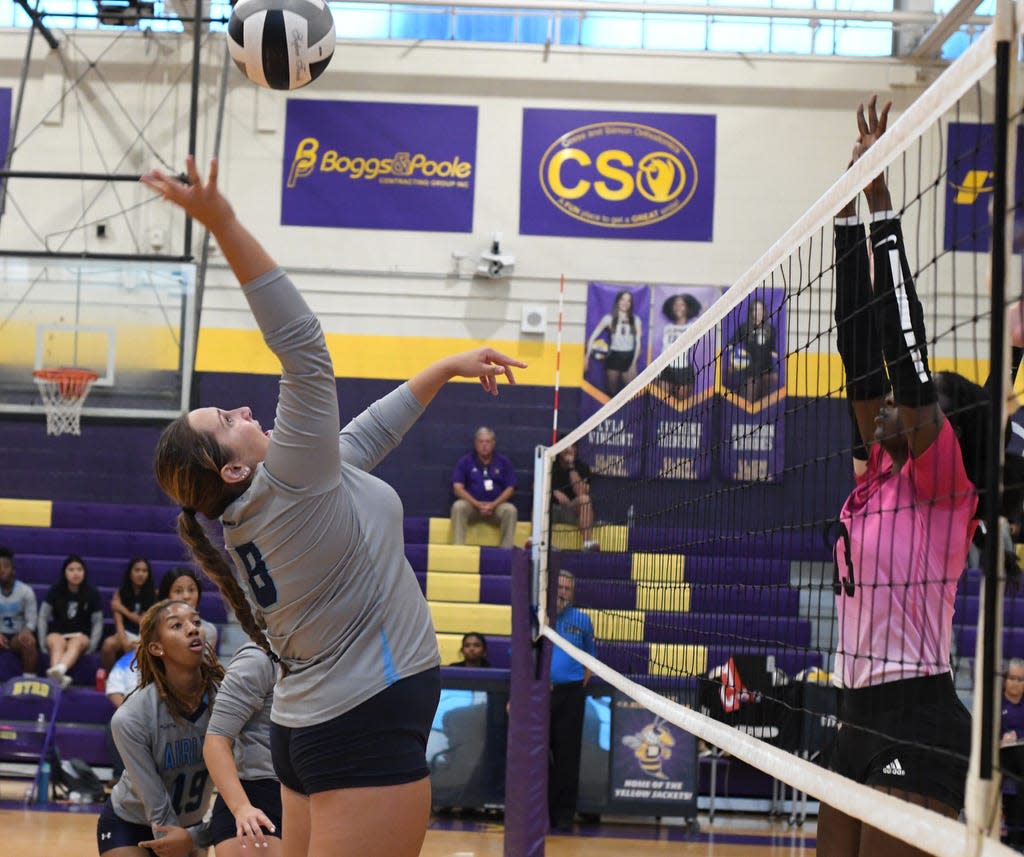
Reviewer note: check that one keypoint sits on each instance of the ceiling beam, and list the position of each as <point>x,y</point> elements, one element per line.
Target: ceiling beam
<point>931,42</point>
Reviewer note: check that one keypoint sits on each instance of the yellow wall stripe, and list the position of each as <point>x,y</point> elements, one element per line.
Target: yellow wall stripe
<point>26,513</point>
<point>677,659</point>
<point>444,586</point>
<point>452,618</point>
<point>659,567</point>
<point>458,558</point>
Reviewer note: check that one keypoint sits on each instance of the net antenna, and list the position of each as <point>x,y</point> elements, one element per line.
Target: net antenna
<point>724,568</point>
<point>63,392</point>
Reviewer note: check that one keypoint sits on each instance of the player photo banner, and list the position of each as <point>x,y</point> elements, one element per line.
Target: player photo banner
<point>680,429</point>
<point>970,169</point>
<point>752,382</point>
<point>617,175</point>
<point>653,764</point>
<point>379,165</point>
<point>616,350</point>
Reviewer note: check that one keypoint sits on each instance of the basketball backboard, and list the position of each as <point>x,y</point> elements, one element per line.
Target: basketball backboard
<point>132,322</point>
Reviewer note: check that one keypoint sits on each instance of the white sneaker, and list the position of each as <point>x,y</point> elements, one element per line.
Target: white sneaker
<point>591,545</point>
<point>65,682</point>
<point>57,672</point>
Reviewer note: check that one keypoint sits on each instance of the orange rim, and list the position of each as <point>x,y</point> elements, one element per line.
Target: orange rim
<point>72,383</point>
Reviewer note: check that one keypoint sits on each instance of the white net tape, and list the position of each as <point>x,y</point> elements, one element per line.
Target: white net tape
<point>63,394</point>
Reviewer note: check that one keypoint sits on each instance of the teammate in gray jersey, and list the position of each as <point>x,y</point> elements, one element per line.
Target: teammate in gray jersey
<point>164,792</point>
<point>237,752</point>
<point>17,616</point>
<point>317,547</point>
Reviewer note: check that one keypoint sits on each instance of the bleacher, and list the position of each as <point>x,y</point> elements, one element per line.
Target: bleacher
<point>735,598</point>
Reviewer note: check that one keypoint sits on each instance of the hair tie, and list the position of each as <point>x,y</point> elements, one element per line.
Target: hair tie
<point>188,510</point>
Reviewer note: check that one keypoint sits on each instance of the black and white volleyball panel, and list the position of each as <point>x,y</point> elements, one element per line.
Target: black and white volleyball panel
<point>281,44</point>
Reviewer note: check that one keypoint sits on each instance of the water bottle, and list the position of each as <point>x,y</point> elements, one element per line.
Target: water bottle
<point>101,680</point>
<point>41,721</point>
<point>43,784</point>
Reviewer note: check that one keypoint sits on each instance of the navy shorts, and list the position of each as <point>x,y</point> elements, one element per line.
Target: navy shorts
<point>619,361</point>
<point>262,794</point>
<point>112,831</point>
<point>913,735</point>
<point>382,742</point>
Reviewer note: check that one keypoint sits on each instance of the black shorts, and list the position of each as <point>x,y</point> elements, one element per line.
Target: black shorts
<point>112,831</point>
<point>680,376</point>
<point>382,742</point>
<point>263,794</point>
<point>913,735</point>
<point>619,361</point>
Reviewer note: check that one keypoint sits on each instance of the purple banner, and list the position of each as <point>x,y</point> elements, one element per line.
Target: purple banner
<point>970,170</point>
<point>597,174</point>
<point>653,765</point>
<point>379,165</point>
<point>753,386</point>
<point>679,438</point>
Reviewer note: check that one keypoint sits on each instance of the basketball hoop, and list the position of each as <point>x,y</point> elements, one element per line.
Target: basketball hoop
<point>63,392</point>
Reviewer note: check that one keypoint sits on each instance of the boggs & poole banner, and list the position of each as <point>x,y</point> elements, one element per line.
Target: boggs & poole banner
<point>379,165</point>
<point>617,175</point>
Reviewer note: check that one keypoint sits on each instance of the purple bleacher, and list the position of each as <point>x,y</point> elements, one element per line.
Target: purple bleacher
<point>697,569</point>
<point>114,516</point>
<point>85,742</point>
<point>967,607</point>
<point>633,658</point>
<point>726,629</point>
<point>621,595</point>
<point>416,531</point>
<point>626,658</point>
<point>495,589</point>
<point>417,556</point>
<point>966,638</point>
<point>109,543</point>
<point>103,570</point>
<point>496,561</point>
<point>790,544</point>
<point>970,583</point>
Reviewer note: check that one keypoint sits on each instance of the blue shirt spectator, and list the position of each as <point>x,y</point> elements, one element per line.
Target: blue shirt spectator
<point>575,625</point>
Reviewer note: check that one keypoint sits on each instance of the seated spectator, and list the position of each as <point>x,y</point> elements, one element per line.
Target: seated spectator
<point>570,495</point>
<point>1011,754</point>
<point>136,595</point>
<point>483,482</point>
<point>182,584</point>
<point>17,616</point>
<point>122,679</point>
<point>70,620</point>
<point>474,651</point>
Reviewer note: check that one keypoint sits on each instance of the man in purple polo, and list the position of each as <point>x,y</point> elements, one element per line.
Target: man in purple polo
<point>483,483</point>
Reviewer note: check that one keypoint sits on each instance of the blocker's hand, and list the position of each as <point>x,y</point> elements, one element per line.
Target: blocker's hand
<point>486,364</point>
<point>199,199</point>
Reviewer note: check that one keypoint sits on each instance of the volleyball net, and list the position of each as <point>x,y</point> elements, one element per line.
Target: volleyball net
<point>715,479</point>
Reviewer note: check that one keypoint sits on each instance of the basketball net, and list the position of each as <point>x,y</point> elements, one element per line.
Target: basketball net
<point>63,392</point>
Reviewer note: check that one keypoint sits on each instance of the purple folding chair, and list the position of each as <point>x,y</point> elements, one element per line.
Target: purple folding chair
<point>28,723</point>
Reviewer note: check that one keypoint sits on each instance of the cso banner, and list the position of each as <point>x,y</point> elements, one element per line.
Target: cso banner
<point>379,165</point>
<point>679,442</point>
<point>970,170</point>
<point>753,386</point>
<point>617,175</point>
<point>654,763</point>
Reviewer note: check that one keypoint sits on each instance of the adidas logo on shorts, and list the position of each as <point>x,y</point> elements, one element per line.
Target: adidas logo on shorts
<point>894,769</point>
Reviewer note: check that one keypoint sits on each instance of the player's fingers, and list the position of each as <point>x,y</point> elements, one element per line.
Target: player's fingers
<point>497,357</point>
<point>191,171</point>
<point>214,170</point>
<point>883,119</point>
<point>862,123</point>
<point>509,376</point>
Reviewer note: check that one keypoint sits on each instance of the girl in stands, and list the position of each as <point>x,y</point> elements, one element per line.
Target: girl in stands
<point>318,552</point>
<point>181,583</point>
<point>134,597</point>
<point>904,532</point>
<point>70,620</point>
<point>164,792</point>
<point>237,752</point>
<point>473,651</point>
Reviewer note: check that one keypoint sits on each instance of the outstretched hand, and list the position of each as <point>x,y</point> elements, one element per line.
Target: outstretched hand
<point>486,364</point>
<point>200,200</point>
<point>871,125</point>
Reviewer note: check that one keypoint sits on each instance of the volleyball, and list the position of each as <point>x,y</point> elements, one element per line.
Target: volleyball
<point>599,350</point>
<point>281,44</point>
<point>740,358</point>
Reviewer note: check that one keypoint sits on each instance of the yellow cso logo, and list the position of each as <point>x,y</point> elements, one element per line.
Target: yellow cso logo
<point>975,183</point>
<point>618,174</point>
<point>400,168</point>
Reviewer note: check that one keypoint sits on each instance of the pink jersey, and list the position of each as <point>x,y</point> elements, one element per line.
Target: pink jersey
<point>899,558</point>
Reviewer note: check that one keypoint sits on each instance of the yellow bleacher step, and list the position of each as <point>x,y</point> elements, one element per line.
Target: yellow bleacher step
<point>463,559</point>
<point>25,513</point>
<point>619,625</point>
<point>658,567</point>
<point>479,534</point>
<point>459,618</point>
<point>665,597</point>
<point>677,659</point>
<point>450,646</point>
<point>446,586</point>
<point>611,537</point>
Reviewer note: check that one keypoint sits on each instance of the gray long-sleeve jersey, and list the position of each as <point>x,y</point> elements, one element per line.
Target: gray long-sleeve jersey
<point>17,609</point>
<point>316,540</point>
<point>165,780</point>
<point>242,711</point>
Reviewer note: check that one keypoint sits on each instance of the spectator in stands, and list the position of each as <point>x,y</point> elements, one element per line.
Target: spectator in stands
<point>569,679</point>
<point>483,483</point>
<point>181,583</point>
<point>1012,751</point>
<point>474,651</point>
<point>122,679</point>
<point>135,596</point>
<point>70,620</point>
<point>17,616</point>
<point>237,752</point>
<point>570,495</point>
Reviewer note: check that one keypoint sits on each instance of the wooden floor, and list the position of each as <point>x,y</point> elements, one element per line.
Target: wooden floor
<point>33,833</point>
